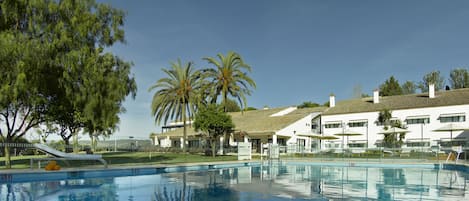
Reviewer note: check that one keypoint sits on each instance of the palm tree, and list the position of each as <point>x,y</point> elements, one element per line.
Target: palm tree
<point>229,77</point>
<point>177,95</point>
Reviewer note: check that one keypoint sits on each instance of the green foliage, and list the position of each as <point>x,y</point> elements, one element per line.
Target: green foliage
<point>232,106</point>
<point>54,68</point>
<point>384,118</point>
<point>393,140</point>
<point>459,78</point>
<point>433,77</point>
<point>308,104</point>
<point>250,108</point>
<point>390,87</point>
<point>177,95</point>
<point>326,104</point>
<point>214,122</point>
<point>409,87</point>
<point>229,78</point>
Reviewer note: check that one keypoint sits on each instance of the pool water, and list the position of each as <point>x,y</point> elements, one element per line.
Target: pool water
<point>250,183</point>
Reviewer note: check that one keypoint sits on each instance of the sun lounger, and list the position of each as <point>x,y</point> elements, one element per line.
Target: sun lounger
<point>65,156</point>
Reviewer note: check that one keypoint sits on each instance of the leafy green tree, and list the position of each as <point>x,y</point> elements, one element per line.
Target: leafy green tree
<point>390,87</point>
<point>433,77</point>
<point>177,95</point>
<point>384,118</point>
<point>308,104</point>
<point>326,104</point>
<point>459,78</point>
<point>392,140</point>
<point>232,106</point>
<point>214,122</point>
<point>250,109</point>
<point>53,54</point>
<point>409,87</point>
<point>229,78</point>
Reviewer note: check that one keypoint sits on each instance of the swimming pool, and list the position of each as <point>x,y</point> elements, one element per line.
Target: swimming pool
<point>243,181</point>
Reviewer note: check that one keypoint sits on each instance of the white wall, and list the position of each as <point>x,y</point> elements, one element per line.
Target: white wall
<point>415,129</point>
<point>302,126</point>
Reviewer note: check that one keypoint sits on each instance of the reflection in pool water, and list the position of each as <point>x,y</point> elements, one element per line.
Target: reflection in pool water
<point>277,182</point>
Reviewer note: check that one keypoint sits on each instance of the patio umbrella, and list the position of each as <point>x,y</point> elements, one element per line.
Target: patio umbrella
<point>393,130</point>
<point>327,137</point>
<point>313,135</point>
<point>347,133</point>
<point>450,128</point>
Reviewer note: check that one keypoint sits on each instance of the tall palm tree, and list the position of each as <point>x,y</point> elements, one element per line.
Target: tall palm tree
<point>229,77</point>
<point>177,95</point>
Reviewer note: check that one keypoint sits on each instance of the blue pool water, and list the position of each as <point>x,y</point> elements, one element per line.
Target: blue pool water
<point>290,181</point>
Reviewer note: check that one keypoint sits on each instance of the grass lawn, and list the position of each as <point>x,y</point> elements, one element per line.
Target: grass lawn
<point>125,159</point>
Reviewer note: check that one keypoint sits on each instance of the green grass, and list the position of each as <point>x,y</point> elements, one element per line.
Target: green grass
<point>125,159</point>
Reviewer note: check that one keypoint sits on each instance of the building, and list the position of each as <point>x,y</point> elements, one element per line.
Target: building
<point>421,114</point>
<point>282,126</point>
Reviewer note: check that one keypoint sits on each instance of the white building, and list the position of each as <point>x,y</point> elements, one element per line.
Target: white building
<point>422,114</point>
<point>284,126</point>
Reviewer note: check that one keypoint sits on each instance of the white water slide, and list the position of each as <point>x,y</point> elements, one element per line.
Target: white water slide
<point>67,156</point>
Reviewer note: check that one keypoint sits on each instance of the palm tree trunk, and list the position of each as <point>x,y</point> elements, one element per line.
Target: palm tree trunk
<point>225,97</point>
<point>184,138</point>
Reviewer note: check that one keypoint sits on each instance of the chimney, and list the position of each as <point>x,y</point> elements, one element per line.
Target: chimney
<point>431,90</point>
<point>376,96</point>
<point>331,101</point>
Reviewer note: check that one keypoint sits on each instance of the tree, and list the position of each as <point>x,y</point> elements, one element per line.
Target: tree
<point>390,87</point>
<point>250,109</point>
<point>232,106</point>
<point>53,58</point>
<point>384,118</point>
<point>433,77</point>
<point>177,95</point>
<point>409,87</point>
<point>392,140</point>
<point>230,78</point>
<point>308,104</point>
<point>459,78</point>
<point>214,122</point>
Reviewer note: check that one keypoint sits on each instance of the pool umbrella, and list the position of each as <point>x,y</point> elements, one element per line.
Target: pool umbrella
<point>328,137</point>
<point>450,128</point>
<point>313,135</point>
<point>347,133</point>
<point>393,130</point>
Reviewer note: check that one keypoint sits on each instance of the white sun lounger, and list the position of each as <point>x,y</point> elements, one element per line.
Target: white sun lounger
<point>64,156</point>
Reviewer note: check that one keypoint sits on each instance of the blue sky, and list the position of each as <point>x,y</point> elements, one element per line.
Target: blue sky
<point>299,50</point>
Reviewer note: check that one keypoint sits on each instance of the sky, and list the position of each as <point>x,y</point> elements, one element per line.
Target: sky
<point>298,50</point>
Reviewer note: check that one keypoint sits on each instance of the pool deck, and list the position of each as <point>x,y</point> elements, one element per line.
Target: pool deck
<point>319,161</point>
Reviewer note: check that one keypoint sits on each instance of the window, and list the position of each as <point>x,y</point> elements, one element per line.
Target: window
<point>314,126</point>
<point>333,125</point>
<point>357,123</point>
<point>356,145</point>
<point>418,119</point>
<point>418,144</point>
<point>446,118</point>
